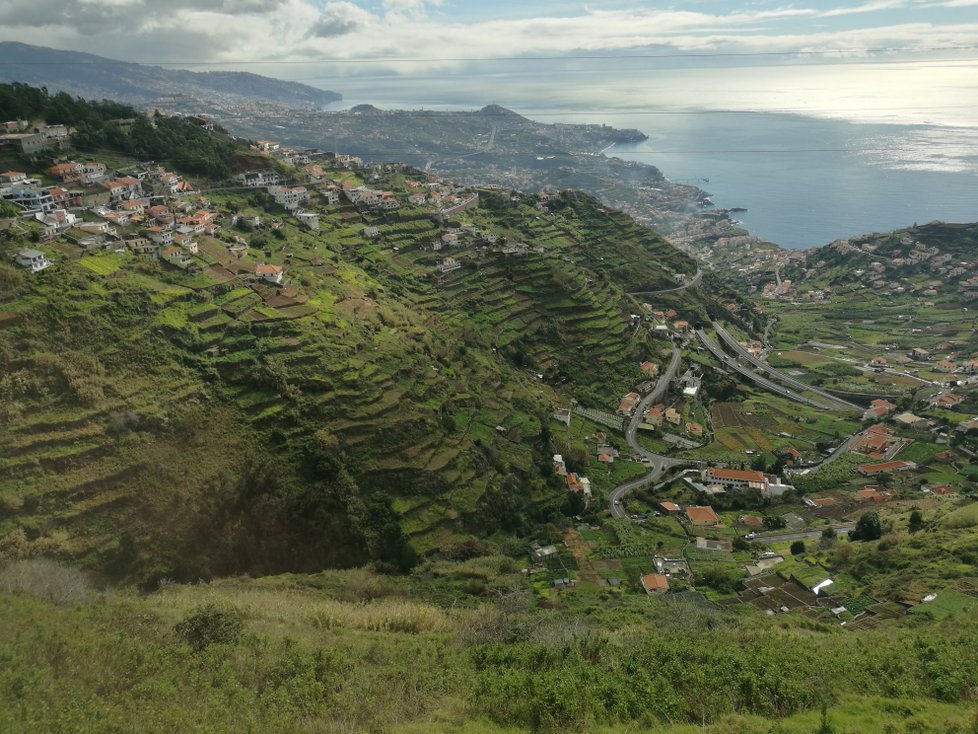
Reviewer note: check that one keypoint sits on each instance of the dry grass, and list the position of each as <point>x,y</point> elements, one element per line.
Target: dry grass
<point>293,607</point>
<point>46,580</point>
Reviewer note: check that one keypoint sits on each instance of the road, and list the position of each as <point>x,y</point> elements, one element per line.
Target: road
<point>787,537</point>
<point>694,281</point>
<point>660,464</point>
<point>767,384</point>
<point>775,374</point>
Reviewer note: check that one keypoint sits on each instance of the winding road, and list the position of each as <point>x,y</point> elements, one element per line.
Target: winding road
<point>694,281</point>
<point>660,464</point>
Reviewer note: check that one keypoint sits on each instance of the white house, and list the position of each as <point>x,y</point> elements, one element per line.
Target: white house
<point>33,260</point>
<point>289,196</point>
<point>310,219</point>
<point>270,273</point>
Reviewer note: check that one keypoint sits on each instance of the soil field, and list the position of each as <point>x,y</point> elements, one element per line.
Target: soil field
<point>732,415</point>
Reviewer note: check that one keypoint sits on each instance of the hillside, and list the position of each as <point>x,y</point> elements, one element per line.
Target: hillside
<point>493,145</point>
<point>96,77</point>
<point>162,416</point>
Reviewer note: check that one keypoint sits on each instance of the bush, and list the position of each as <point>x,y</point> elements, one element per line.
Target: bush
<point>868,527</point>
<point>210,624</point>
<point>46,580</point>
<point>798,548</point>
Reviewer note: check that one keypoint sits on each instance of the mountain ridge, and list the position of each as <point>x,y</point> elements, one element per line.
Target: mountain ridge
<point>96,77</point>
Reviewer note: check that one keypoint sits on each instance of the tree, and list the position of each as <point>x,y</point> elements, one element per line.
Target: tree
<point>798,548</point>
<point>210,624</point>
<point>868,527</point>
<point>774,523</point>
<point>916,521</point>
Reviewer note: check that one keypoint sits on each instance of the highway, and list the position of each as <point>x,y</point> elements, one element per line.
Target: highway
<point>775,374</point>
<point>767,384</point>
<point>793,535</point>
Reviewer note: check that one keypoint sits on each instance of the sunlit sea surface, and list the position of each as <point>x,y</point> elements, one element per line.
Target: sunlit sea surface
<point>812,153</point>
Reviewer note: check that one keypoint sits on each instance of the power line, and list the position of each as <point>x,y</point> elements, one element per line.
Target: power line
<point>831,53</point>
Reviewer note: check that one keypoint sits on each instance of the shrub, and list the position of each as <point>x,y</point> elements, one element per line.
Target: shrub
<point>47,580</point>
<point>210,624</point>
<point>798,547</point>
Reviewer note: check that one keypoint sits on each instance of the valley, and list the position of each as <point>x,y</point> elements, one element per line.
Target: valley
<point>278,423</point>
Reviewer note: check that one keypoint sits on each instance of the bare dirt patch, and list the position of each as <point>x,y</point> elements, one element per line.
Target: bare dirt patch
<point>580,549</point>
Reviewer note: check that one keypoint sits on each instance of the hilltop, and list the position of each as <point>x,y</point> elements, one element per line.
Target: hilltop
<point>96,77</point>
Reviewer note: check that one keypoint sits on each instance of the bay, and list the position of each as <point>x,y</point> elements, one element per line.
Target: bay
<point>808,181</point>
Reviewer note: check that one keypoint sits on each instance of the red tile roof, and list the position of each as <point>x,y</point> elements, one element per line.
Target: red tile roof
<point>704,514</point>
<point>735,474</point>
<point>655,582</point>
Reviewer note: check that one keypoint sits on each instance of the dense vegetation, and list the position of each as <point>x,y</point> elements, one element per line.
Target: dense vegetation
<point>169,140</point>
<point>341,651</point>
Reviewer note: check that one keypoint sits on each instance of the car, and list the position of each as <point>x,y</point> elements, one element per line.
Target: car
<point>751,535</point>
<point>617,502</point>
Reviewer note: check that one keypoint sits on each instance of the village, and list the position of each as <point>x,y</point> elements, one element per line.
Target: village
<point>154,213</point>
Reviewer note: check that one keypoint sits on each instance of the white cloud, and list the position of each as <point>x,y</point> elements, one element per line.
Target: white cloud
<point>301,30</point>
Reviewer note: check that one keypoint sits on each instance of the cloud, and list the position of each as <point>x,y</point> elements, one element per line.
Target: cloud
<point>340,19</point>
<point>414,38</point>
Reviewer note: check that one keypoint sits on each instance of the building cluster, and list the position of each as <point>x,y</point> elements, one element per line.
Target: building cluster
<point>146,210</point>
<point>575,483</point>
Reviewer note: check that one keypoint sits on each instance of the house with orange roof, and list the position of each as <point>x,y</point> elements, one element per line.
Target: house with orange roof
<point>67,172</point>
<point>869,470</point>
<point>878,408</point>
<point>870,443</point>
<point>628,403</point>
<point>270,273</point>
<point>946,400</point>
<point>702,515</point>
<point>670,508</point>
<point>653,416</point>
<point>655,583</point>
<point>695,429</point>
<point>649,368</point>
<point>871,494</point>
<point>745,479</point>
<point>574,483</point>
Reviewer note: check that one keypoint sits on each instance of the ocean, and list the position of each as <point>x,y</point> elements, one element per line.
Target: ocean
<point>813,153</point>
<point>807,181</point>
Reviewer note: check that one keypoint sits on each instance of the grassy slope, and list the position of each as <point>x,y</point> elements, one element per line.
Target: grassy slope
<point>316,649</point>
<point>120,425</point>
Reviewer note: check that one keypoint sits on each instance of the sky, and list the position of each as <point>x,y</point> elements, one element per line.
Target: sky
<point>349,45</point>
<point>237,31</point>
